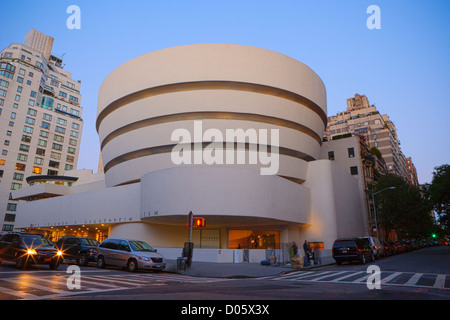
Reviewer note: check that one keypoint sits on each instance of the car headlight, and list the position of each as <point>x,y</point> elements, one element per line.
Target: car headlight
<point>144,258</point>
<point>59,253</point>
<point>31,251</point>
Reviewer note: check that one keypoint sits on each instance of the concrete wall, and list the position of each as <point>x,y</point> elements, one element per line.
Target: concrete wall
<point>112,205</point>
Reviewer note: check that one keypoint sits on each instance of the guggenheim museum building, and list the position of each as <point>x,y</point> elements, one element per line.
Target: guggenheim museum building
<point>232,133</point>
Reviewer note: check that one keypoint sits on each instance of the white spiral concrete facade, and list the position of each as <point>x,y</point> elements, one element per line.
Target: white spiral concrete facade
<point>226,86</point>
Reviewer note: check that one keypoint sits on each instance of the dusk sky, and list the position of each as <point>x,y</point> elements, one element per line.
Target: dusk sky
<point>403,68</point>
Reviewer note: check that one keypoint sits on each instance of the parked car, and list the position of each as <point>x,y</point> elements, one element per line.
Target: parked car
<point>400,247</point>
<point>130,254</point>
<point>378,249</point>
<point>83,250</point>
<point>26,248</point>
<point>354,249</point>
<point>388,248</point>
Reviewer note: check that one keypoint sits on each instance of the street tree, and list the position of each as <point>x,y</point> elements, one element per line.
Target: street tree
<point>439,192</point>
<point>404,209</point>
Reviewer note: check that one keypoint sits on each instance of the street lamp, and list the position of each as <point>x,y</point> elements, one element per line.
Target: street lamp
<point>374,207</point>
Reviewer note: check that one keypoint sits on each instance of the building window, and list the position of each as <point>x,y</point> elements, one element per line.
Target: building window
<point>16,186</point>
<point>53,164</point>
<point>52,172</point>
<point>9,217</point>
<point>22,157</point>
<point>32,112</point>
<point>37,170</point>
<point>30,120</point>
<point>11,207</point>
<point>42,143</point>
<point>351,152</point>
<point>330,155</point>
<point>18,176</point>
<point>24,147</point>
<point>55,155</point>
<point>354,171</point>
<point>60,129</point>
<point>8,227</point>
<point>57,146</point>
<point>61,121</point>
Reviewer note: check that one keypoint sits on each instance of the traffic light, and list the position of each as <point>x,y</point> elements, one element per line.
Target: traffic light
<point>433,235</point>
<point>199,222</point>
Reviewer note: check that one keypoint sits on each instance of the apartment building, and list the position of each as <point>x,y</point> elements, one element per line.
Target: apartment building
<point>352,153</point>
<point>40,118</point>
<point>412,173</point>
<point>379,131</point>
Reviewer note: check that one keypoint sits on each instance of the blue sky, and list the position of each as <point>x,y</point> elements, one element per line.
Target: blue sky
<point>403,68</point>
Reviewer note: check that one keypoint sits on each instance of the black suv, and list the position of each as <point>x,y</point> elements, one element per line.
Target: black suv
<point>82,250</point>
<point>355,249</point>
<point>29,248</point>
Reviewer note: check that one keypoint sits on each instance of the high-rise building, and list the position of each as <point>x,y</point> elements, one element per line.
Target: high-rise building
<point>40,118</point>
<point>379,131</point>
<point>40,42</point>
<point>412,173</point>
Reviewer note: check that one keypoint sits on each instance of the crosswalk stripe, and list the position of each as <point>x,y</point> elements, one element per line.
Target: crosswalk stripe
<point>347,276</point>
<point>362,278</point>
<point>95,282</point>
<point>414,279</point>
<point>440,281</point>
<point>322,277</point>
<point>342,277</point>
<point>17,293</point>
<point>390,277</point>
<point>34,285</point>
<point>126,281</point>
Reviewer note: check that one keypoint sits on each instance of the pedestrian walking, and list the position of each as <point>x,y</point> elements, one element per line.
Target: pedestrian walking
<point>308,250</point>
<point>293,250</point>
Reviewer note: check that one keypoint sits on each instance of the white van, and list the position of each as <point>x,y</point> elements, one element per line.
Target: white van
<point>377,247</point>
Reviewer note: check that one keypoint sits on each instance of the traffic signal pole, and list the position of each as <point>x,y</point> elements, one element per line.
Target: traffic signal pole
<point>191,222</point>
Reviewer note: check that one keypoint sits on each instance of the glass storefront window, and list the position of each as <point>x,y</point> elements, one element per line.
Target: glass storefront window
<point>253,239</point>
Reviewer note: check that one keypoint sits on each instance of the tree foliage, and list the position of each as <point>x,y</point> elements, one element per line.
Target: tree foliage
<point>439,192</point>
<point>405,209</point>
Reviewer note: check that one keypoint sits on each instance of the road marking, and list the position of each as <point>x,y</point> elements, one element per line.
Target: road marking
<point>440,281</point>
<point>363,278</point>
<point>327,275</point>
<point>33,285</point>
<point>17,293</point>
<point>414,279</point>
<point>390,277</point>
<point>120,279</point>
<point>310,274</point>
<point>347,276</point>
<point>320,276</point>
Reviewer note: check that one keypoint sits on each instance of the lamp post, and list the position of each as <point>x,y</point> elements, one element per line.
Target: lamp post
<point>374,207</point>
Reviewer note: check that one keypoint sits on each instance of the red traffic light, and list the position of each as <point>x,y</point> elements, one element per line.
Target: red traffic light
<point>199,222</point>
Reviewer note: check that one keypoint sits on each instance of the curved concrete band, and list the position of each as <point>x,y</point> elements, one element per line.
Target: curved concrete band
<point>143,101</point>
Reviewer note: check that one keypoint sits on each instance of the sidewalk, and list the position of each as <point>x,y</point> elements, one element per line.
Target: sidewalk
<point>230,270</point>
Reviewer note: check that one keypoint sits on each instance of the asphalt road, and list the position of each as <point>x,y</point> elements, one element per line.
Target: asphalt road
<point>418,275</point>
